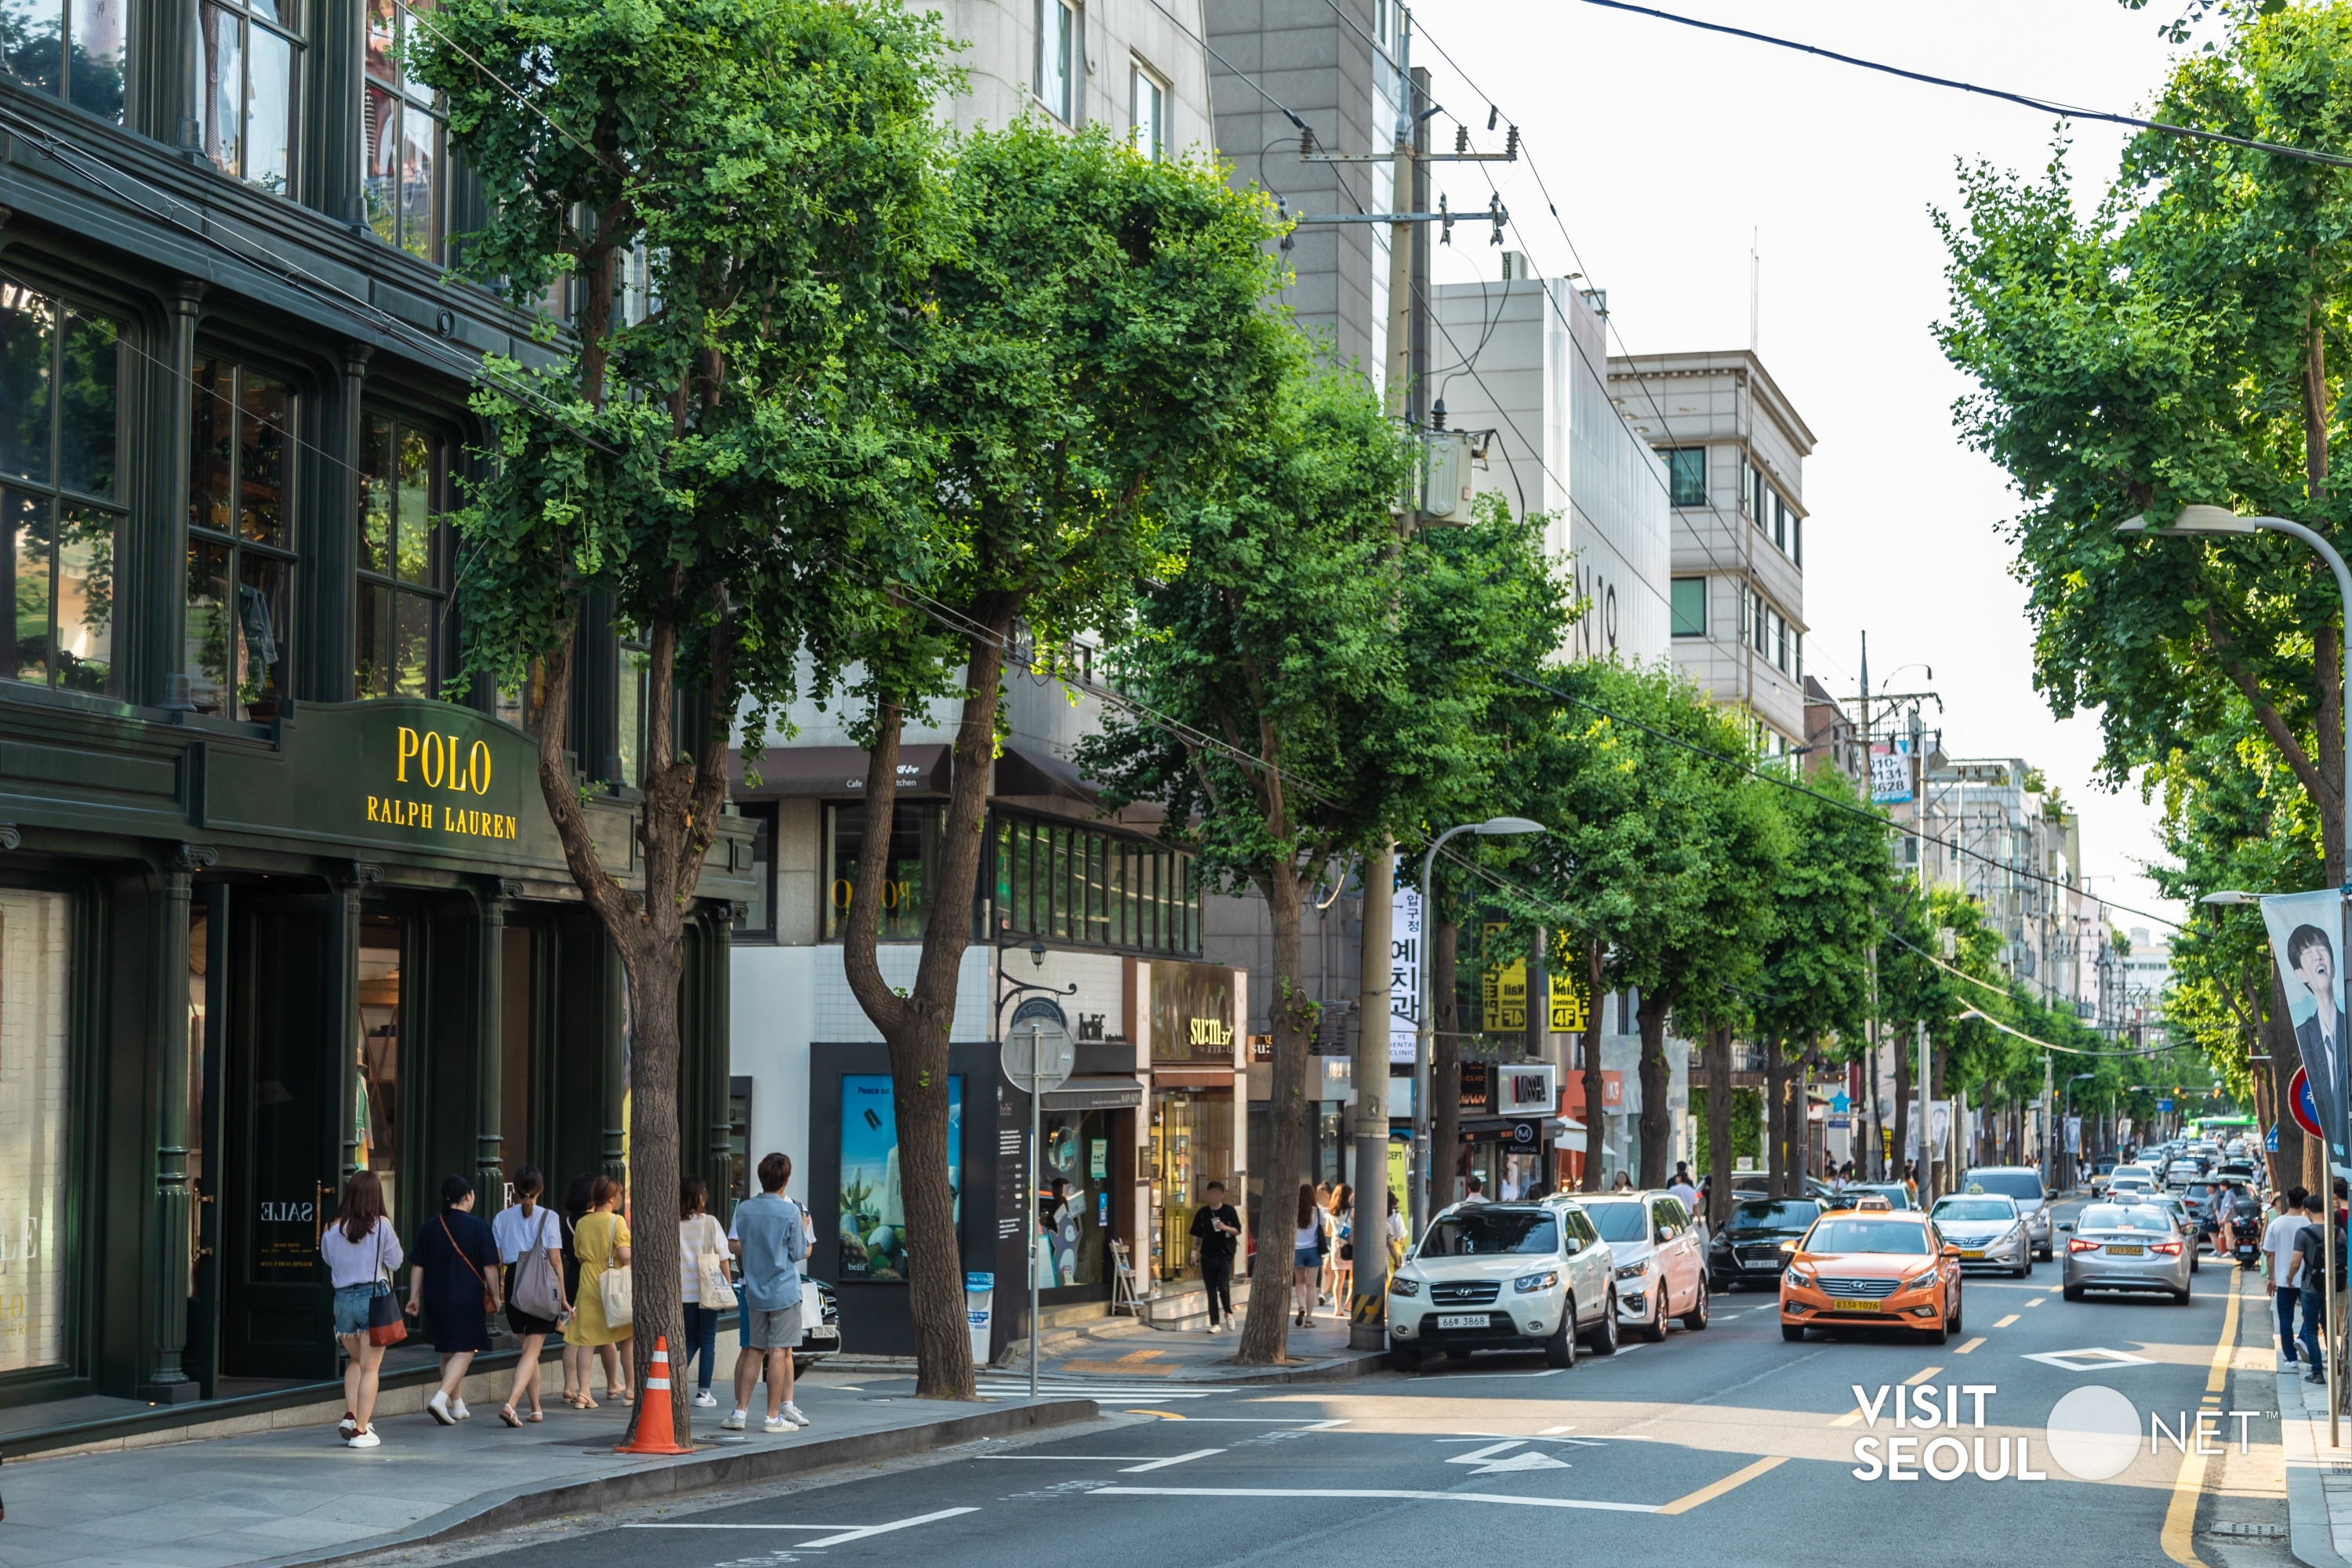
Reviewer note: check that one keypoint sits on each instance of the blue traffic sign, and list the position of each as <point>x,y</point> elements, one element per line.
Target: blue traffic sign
<point>2270,1139</point>
<point>2163,1105</point>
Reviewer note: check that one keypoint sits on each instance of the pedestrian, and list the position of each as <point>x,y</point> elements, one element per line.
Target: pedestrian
<point>530,1237</point>
<point>362,1253</point>
<point>453,1278</point>
<point>1624,1183</point>
<point>1398,1234</point>
<point>602,1240</point>
<point>1911,1181</point>
<point>2278,1251</point>
<point>577,1358</point>
<point>1684,1192</point>
<point>1323,1246</point>
<point>1474,1191</point>
<point>1217,1232</point>
<point>771,1240</point>
<point>701,1250</point>
<point>2307,1269</point>
<point>1307,1255</point>
<point>1538,1192</point>
<point>1343,1243</point>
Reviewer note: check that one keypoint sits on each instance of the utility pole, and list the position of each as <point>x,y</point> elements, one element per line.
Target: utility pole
<point>1367,1312</point>
<point>1877,1160</point>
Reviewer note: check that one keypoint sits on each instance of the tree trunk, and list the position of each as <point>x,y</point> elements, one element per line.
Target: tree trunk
<point>1596,969</point>
<point>1444,1065</point>
<point>1265,1331</point>
<point>916,1026</point>
<point>1657,1117</point>
<point>1718,1128</point>
<point>1801,1124</point>
<point>1776,1100</point>
<point>1902,1112</point>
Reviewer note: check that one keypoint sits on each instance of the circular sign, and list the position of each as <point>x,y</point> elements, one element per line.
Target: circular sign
<point>1041,1047</point>
<point>2093,1433</point>
<point>2299,1100</point>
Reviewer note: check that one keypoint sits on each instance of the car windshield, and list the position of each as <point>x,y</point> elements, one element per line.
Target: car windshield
<point>1897,1198</point>
<point>1620,1221</point>
<point>2022,1186</point>
<point>1480,1232</point>
<point>1867,1236</point>
<point>2112,1216</point>
<point>1975,1208</point>
<point>1792,1214</point>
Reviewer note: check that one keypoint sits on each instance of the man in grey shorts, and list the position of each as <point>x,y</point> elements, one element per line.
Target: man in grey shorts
<point>769,1243</point>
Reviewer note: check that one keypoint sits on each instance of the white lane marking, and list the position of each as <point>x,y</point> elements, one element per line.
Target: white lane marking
<point>1304,1426</point>
<point>1547,1371</point>
<point>861,1534</point>
<point>1057,1459</point>
<point>2092,1359</point>
<point>1497,1498</point>
<point>1175,1459</point>
<point>1554,1431</point>
<point>1489,1464</point>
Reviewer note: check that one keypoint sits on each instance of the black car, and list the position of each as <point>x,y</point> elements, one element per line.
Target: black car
<point>1747,1251</point>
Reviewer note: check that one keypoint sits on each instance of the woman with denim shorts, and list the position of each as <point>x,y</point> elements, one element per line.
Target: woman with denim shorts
<point>359,1249</point>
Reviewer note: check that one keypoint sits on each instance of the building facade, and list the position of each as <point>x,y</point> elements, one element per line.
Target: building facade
<point>279,901</point>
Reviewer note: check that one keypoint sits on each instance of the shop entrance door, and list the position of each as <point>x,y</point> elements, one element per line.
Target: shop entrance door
<point>280,1179</point>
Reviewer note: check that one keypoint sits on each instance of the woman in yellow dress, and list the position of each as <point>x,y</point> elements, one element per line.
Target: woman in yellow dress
<point>601,1239</point>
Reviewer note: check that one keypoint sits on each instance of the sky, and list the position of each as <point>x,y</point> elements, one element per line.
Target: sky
<point>1670,152</point>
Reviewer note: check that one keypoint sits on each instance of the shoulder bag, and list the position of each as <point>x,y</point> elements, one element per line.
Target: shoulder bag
<point>718,1292</point>
<point>535,1279</point>
<point>386,1326</point>
<point>614,1288</point>
<point>457,1254</point>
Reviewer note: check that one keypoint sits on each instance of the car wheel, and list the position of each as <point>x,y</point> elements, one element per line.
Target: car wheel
<point>1936,1335</point>
<point>1952,1323</point>
<point>1561,1349</point>
<point>2073,1292</point>
<point>1654,1331</point>
<point>2025,1269</point>
<point>1405,1357</point>
<point>2182,1297</point>
<point>2193,1263</point>
<point>1794,1333</point>
<point>1696,1319</point>
<point>1602,1339</point>
<point>2043,1254</point>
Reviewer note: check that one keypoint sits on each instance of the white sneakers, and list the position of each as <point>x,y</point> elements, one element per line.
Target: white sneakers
<point>706,1400</point>
<point>438,1409</point>
<point>734,1422</point>
<point>791,1412</point>
<point>365,1438</point>
<point>777,1424</point>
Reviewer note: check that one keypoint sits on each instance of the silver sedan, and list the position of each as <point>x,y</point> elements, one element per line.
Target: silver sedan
<point>1989,1230</point>
<point>2127,1247</point>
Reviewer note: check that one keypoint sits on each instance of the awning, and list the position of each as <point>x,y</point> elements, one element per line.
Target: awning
<point>1095,1091</point>
<point>837,771</point>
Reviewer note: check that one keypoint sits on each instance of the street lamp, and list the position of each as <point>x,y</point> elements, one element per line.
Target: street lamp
<point>1493,827</point>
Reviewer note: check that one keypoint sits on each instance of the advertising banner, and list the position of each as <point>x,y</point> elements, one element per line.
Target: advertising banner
<point>2304,932</point>
<point>1406,957</point>
<point>1890,772</point>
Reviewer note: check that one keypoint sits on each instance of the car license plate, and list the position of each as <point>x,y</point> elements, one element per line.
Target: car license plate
<point>1978,1253</point>
<point>1837,1305</point>
<point>2126,1252</point>
<point>1461,1320</point>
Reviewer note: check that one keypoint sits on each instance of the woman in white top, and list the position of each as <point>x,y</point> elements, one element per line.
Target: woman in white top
<point>1306,1255</point>
<point>1398,1235</point>
<point>520,1228</point>
<point>359,1248</point>
<point>699,1233</point>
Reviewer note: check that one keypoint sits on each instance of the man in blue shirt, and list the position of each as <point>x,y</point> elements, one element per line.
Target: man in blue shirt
<point>769,1241</point>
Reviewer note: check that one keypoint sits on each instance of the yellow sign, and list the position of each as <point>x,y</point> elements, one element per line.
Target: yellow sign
<point>1503,993</point>
<point>443,763</point>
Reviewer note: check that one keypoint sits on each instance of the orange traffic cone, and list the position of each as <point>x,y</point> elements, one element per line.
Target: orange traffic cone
<point>654,1423</point>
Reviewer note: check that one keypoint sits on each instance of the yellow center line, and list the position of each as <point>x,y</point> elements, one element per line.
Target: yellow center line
<point>1922,1375</point>
<point>2180,1517</point>
<point>1739,1477</point>
<point>2006,1321</point>
<point>1970,1346</point>
<point>1163,1414</point>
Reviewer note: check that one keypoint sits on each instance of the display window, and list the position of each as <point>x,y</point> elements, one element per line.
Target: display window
<point>873,1213</point>
<point>1074,1200</point>
<point>36,930</point>
<point>1192,1146</point>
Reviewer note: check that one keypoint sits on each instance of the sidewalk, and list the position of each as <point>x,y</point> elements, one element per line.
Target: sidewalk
<point>2318,1478</point>
<point>1125,1351</point>
<point>288,1495</point>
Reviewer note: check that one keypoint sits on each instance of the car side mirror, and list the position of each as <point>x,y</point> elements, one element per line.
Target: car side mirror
<point>1788,1247</point>
<point>2066,1224</point>
<point>1665,1233</point>
<point>1950,1251</point>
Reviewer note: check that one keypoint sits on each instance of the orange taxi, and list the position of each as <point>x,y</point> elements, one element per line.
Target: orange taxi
<point>1871,1268</point>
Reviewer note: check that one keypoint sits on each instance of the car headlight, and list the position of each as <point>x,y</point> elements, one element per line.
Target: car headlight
<point>1799,1277</point>
<point>1402,1286</point>
<point>1527,1282</point>
<point>1920,1282</point>
<point>1633,1270</point>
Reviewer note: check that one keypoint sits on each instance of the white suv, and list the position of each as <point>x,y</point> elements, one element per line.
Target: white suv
<point>1659,1254</point>
<point>1511,1276</point>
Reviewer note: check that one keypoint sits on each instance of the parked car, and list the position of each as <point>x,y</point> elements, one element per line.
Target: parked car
<point>1748,1251</point>
<point>1515,1276</point>
<point>1988,1228</point>
<point>2125,1247</point>
<point>2101,1171</point>
<point>1879,1269</point>
<point>1660,1256</point>
<point>2023,1183</point>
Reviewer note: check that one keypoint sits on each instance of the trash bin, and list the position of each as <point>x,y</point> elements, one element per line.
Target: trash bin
<point>979,1294</point>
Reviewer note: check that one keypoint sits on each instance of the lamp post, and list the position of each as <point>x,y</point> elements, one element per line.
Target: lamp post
<point>1493,827</point>
<point>2202,520</point>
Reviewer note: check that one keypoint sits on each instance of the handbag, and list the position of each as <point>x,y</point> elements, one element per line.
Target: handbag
<point>385,1325</point>
<point>490,1297</point>
<point>614,1288</point>
<point>718,1292</point>
<point>535,1292</point>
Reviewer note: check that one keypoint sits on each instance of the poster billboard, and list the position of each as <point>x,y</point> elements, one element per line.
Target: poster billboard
<point>2305,932</point>
<point>1890,772</point>
<point>1405,959</point>
<point>1503,990</point>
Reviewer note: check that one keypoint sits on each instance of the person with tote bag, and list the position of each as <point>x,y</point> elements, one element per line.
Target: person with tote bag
<point>705,1288</point>
<point>600,1316</point>
<point>361,1253</point>
<point>530,1244</point>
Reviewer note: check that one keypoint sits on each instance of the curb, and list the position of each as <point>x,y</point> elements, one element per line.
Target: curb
<point>1364,1363</point>
<point>704,1471</point>
<point>2311,1536</point>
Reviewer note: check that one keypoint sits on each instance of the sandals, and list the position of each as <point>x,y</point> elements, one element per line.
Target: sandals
<point>507,1414</point>
<point>535,1416</point>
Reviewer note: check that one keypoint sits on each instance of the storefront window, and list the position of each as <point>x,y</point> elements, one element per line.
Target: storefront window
<point>377,1114</point>
<point>515,1077</point>
<point>35,943</point>
<point>1074,1197</point>
<point>403,580</point>
<point>240,540</point>
<point>915,829</point>
<point>72,50</point>
<point>406,176</point>
<point>246,57</point>
<point>1076,884</point>
<point>873,1214</point>
<point>759,921</point>
<point>1192,1146</point>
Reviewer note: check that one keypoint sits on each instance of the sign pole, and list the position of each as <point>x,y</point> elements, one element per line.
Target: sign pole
<point>1036,1056</point>
<point>1036,1119</point>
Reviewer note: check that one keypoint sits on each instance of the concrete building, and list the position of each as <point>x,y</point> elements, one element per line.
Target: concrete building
<point>1831,736</point>
<point>1125,64</point>
<point>1734,449</point>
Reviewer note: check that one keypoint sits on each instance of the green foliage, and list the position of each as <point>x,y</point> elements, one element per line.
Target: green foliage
<point>1827,894</point>
<point>1746,1128</point>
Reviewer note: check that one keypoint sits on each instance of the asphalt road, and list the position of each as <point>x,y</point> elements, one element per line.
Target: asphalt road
<point>1726,1447</point>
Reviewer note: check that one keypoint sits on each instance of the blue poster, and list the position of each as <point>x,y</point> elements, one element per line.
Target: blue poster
<point>2304,931</point>
<point>873,1216</point>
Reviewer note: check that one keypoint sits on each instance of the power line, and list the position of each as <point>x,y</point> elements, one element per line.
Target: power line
<point>2004,1028</point>
<point>2278,149</point>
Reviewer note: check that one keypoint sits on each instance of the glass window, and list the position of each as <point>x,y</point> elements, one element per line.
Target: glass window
<point>71,50</point>
<point>240,560</point>
<point>1796,539</point>
<point>58,372</point>
<point>1482,1231</point>
<point>872,1242</point>
<point>1689,606</point>
<point>1685,475</point>
<point>248,53</point>
<point>759,921</point>
<point>914,854</point>
<point>403,589</point>
<point>1149,102</point>
<point>36,937</point>
<point>1057,55</point>
<point>406,176</point>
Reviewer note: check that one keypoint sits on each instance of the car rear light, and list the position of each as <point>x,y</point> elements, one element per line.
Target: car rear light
<point>2078,1245</point>
<point>2169,1248</point>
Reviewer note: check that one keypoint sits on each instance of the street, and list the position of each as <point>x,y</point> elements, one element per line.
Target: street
<point>1726,1445</point>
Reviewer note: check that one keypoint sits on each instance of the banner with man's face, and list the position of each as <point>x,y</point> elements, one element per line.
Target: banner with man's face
<point>2306,932</point>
